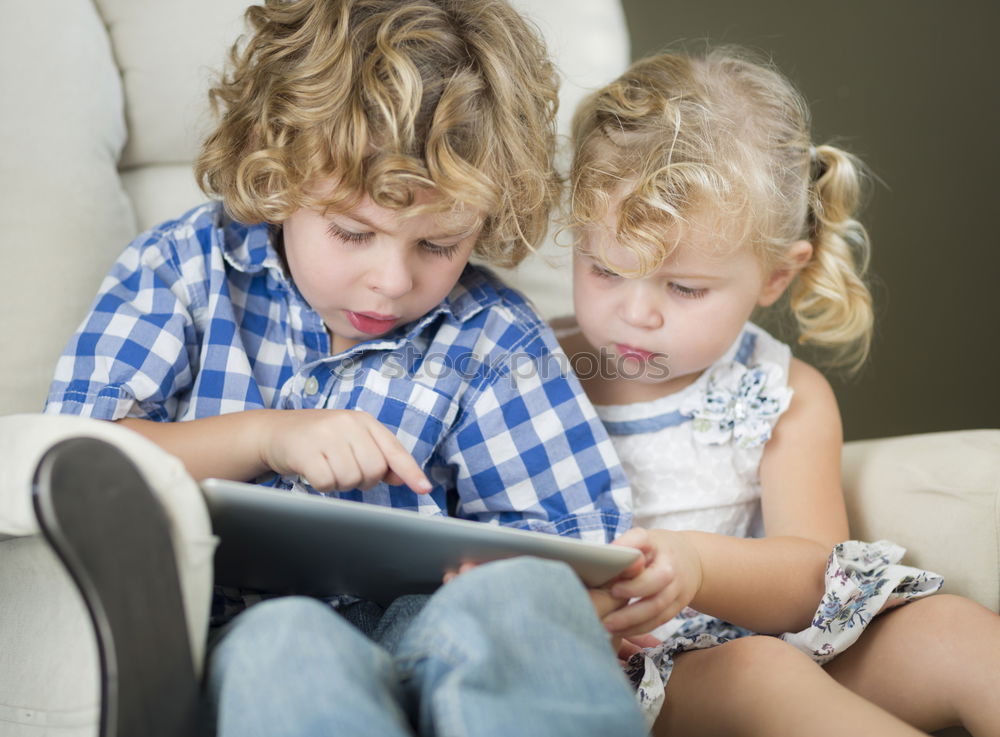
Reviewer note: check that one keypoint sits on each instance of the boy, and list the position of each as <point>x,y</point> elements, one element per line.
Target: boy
<point>320,328</point>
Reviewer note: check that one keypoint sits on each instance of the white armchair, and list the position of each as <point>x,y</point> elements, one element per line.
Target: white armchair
<point>103,105</point>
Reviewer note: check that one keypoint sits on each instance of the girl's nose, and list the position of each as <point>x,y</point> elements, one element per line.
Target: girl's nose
<point>390,275</point>
<point>639,309</point>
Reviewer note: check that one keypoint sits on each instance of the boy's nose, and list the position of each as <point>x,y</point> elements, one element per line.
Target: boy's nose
<point>391,276</point>
<point>639,310</point>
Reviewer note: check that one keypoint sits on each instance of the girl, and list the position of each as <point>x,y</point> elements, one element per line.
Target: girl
<point>697,198</point>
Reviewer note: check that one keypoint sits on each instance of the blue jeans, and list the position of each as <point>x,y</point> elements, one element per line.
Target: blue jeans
<point>508,648</point>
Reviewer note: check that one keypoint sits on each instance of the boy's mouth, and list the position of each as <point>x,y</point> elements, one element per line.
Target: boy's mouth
<point>371,323</point>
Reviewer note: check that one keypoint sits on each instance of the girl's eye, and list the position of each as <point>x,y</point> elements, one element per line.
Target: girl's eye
<point>687,292</point>
<point>435,249</point>
<point>348,236</point>
<point>601,272</point>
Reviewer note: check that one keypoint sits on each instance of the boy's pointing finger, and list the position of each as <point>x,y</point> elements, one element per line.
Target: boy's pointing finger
<point>402,466</point>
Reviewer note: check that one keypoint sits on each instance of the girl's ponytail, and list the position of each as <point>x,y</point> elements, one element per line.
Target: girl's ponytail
<point>830,299</point>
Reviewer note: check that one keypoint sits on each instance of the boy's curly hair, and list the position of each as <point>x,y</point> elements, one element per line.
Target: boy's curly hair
<point>724,132</point>
<point>387,96</point>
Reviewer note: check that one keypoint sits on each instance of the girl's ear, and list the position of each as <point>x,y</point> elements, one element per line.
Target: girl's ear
<point>796,258</point>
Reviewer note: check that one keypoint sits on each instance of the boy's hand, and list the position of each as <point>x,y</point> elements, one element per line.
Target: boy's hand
<point>337,450</point>
<point>663,582</point>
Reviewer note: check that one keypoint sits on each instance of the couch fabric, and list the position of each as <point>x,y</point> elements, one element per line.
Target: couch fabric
<point>103,105</point>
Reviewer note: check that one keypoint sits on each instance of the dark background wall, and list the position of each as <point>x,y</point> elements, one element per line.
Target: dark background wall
<point>913,87</point>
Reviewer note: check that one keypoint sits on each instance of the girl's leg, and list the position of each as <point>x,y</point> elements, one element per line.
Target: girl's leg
<point>933,662</point>
<point>293,666</point>
<point>515,648</point>
<point>761,686</point>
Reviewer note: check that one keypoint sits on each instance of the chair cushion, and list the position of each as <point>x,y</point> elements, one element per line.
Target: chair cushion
<point>64,213</point>
<point>168,54</point>
<point>938,495</point>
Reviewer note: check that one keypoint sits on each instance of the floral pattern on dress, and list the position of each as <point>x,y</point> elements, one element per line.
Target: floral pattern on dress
<point>862,580</point>
<point>739,404</point>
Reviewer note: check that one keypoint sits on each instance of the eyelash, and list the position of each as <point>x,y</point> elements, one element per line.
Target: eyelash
<point>351,237</point>
<point>679,289</point>
<point>688,292</point>
<point>435,250</point>
<point>602,273</point>
<point>348,236</point>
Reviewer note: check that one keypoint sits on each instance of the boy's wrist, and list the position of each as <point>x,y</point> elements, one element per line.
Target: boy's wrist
<point>254,433</point>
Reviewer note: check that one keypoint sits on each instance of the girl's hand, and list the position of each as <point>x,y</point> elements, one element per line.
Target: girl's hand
<point>451,575</point>
<point>604,603</point>
<point>629,646</point>
<point>337,450</point>
<point>662,583</point>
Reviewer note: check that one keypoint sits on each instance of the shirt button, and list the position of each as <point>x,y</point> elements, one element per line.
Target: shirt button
<point>312,386</point>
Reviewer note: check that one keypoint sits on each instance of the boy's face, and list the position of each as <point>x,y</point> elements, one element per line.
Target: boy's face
<point>370,269</point>
<point>667,327</point>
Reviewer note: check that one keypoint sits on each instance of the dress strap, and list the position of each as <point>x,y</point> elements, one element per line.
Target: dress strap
<point>747,344</point>
<point>646,424</point>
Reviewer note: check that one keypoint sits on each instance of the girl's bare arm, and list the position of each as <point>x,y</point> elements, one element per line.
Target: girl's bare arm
<point>771,584</point>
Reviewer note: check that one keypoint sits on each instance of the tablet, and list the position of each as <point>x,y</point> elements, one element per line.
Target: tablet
<point>287,543</point>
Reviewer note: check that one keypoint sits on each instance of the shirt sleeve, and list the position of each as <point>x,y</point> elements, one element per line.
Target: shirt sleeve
<point>530,451</point>
<point>129,357</point>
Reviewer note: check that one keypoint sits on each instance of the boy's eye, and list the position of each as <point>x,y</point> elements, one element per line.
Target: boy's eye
<point>348,236</point>
<point>436,249</point>
<point>689,292</point>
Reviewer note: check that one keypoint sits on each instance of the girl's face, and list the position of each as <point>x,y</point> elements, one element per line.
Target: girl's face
<point>370,269</point>
<point>661,331</point>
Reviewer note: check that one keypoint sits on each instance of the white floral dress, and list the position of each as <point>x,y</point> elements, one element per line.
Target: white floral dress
<point>692,459</point>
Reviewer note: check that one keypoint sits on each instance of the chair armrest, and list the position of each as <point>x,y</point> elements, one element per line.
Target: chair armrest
<point>50,659</point>
<point>26,438</point>
<point>114,538</point>
<point>937,495</point>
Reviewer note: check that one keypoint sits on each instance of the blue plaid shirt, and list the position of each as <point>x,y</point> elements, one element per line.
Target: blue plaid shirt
<point>198,317</point>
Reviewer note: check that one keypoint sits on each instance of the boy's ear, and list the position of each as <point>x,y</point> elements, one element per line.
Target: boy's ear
<point>796,258</point>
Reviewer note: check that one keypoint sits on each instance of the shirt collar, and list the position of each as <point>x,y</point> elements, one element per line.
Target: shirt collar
<point>248,248</point>
<point>475,289</point>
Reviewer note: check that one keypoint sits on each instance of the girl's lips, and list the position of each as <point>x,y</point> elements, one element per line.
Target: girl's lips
<point>371,323</point>
<point>637,354</point>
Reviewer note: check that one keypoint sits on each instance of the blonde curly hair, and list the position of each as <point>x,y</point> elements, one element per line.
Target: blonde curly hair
<point>725,133</point>
<point>388,97</point>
